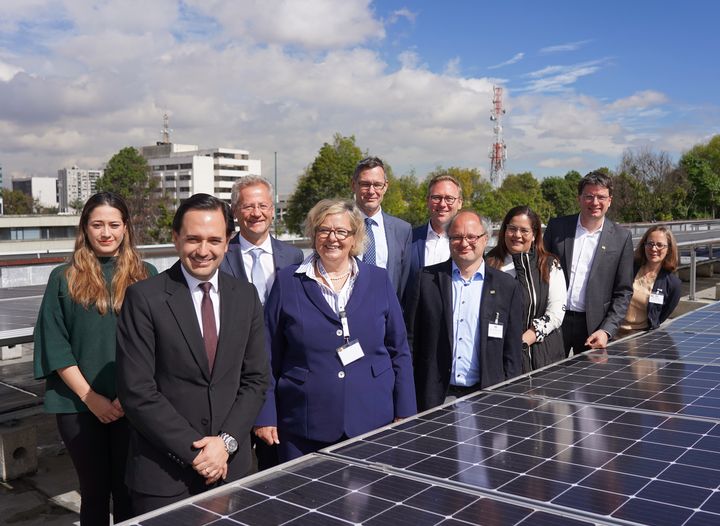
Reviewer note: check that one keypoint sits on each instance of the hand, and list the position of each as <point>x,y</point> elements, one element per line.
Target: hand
<point>529,337</point>
<point>116,404</point>
<point>102,408</point>
<point>211,462</point>
<point>267,434</point>
<point>597,340</point>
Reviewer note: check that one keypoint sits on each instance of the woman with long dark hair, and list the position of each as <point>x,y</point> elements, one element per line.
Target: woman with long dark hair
<point>75,353</point>
<point>520,252</point>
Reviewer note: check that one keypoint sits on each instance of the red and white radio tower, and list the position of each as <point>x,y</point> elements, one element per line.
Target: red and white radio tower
<point>498,151</point>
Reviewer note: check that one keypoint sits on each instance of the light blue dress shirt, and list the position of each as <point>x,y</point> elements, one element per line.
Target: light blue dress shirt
<point>466,326</point>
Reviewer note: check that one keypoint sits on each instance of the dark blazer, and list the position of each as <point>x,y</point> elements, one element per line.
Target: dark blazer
<point>315,397</point>
<point>284,254</point>
<point>429,319</point>
<point>398,234</point>
<point>417,255</point>
<point>610,283</point>
<point>166,389</point>
<point>667,284</point>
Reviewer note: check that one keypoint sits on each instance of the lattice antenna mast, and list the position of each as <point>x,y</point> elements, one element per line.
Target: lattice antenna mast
<point>498,151</point>
<point>166,129</point>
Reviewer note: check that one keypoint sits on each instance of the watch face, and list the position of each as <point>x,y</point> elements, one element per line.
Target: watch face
<point>232,445</point>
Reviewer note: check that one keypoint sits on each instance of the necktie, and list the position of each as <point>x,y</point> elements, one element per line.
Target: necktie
<point>369,256</point>
<point>208,322</point>
<point>258,276</point>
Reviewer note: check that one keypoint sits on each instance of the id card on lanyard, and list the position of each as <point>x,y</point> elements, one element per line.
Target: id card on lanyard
<point>351,351</point>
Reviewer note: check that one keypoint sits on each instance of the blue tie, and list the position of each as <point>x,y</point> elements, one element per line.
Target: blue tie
<point>258,276</point>
<point>369,256</point>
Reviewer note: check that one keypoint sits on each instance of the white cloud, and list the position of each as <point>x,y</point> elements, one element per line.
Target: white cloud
<point>561,48</point>
<point>568,163</point>
<point>640,100</point>
<point>559,78</point>
<point>402,13</point>
<point>516,58</point>
<point>8,71</point>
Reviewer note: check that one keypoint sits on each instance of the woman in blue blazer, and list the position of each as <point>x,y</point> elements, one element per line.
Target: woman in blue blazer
<point>656,290</point>
<point>340,359</point>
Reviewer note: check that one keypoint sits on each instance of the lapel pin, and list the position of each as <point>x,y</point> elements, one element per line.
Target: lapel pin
<point>492,291</point>
<point>603,247</point>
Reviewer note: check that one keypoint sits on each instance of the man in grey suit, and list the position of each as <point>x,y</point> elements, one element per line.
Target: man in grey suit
<point>388,237</point>
<point>597,258</point>
<point>254,255</point>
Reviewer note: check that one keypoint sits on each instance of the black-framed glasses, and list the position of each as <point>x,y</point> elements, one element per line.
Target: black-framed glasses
<point>449,199</point>
<point>366,185</point>
<point>653,244</point>
<point>470,238</point>
<point>340,233</point>
<point>524,232</point>
<point>591,197</point>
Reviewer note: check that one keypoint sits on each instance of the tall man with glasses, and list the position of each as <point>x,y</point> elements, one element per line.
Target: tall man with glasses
<point>596,255</point>
<point>388,237</point>
<point>429,241</point>
<point>254,255</point>
<point>464,319</point>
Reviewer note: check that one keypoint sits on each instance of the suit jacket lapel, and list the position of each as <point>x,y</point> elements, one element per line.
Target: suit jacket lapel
<point>229,294</point>
<point>312,290</point>
<point>606,237</point>
<point>570,227</point>
<point>181,305</point>
<point>487,312</point>
<point>446,293</point>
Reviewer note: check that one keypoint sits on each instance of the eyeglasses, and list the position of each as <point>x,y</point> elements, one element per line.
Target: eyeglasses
<point>366,185</point>
<point>524,232</point>
<point>590,198</point>
<point>264,207</point>
<point>449,199</point>
<point>470,238</point>
<point>652,244</point>
<point>340,233</point>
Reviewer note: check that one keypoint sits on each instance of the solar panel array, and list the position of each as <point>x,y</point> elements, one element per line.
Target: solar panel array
<point>630,435</point>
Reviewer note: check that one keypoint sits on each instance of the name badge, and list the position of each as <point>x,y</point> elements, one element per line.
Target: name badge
<point>495,330</point>
<point>657,298</point>
<point>350,352</point>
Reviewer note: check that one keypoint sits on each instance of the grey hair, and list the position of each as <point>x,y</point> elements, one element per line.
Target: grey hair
<point>326,207</point>
<point>244,182</point>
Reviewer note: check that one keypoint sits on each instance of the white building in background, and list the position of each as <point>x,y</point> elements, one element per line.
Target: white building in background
<point>44,189</point>
<point>76,185</point>
<point>185,169</point>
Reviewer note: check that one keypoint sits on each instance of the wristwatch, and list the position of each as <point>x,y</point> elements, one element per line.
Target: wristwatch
<point>231,444</point>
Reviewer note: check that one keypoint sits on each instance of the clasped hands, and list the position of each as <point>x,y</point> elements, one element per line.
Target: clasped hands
<point>211,461</point>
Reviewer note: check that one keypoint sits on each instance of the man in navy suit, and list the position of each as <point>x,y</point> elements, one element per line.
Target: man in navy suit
<point>254,255</point>
<point>596,255</point>
<point>429,241</point>
<point>254,208</point>
<point>388,243</point>
<point>464,320</point>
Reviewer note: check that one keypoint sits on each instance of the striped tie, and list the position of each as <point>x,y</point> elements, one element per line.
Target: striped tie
<point>369,256</point>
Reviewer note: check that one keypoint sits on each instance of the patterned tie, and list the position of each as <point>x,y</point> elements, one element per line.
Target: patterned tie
<point>208,322</point>
<point>369,256</point>
<point>258,276</point>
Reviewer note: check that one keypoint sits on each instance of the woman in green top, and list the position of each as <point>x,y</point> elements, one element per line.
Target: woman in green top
<point>75,353</point>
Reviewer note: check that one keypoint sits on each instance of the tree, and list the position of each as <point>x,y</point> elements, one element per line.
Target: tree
<point>702,167</point>
<point>405,198</point>
<point>516,189</point>
<point>16,202</point>
<point>329,175</point>
<point>561,193</point>
<point>128,175</point>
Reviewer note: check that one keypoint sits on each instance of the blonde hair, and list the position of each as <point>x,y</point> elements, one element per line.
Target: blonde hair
<point>86,282</point>
<point>326,207</point>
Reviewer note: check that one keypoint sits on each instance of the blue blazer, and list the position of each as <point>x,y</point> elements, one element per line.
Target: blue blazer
<point>398,234</point>
<point>667,284</point>
<point>312,395</point>
<point>284,254</point>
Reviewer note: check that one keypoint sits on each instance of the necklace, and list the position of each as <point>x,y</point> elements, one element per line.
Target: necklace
<point>338,278</point>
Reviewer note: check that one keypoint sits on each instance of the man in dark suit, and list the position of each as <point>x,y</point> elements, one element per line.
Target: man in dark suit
<point>254,255</point>
<point>429,241</point>
<point>596,255</point>
<point>192,370</point>
<point>464,320</point>
<point>388,237</point>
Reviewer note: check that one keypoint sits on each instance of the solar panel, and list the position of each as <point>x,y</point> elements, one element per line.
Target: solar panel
<point>705,320</point>
<point>672,345</point>
<point>610,463</point>
<point>321,491</point>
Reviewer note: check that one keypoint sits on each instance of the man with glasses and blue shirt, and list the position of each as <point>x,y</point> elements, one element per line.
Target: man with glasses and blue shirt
<point>429,241</point>
<point>464,319</point>
<point>388,237</point>
<point>596,255</point>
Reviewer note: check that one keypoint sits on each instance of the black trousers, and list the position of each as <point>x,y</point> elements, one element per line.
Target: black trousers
<point>99,454</point>
<point>574,331</point>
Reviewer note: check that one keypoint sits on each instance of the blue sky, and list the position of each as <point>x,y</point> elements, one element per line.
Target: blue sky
<point>80,79</point>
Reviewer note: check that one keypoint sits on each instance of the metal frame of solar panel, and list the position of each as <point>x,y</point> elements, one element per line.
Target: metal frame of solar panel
<point>321,491</point>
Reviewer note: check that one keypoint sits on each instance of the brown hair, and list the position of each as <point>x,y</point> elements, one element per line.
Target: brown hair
<point>670,263</point>
<point>496,256</point>
<point>86,283</point>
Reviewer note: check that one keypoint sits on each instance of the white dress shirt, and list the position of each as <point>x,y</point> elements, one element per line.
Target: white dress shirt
<point>584,248</point>
<point>197,295</point>
<point>378,229</point>
<point>266,260</point>
<point>437,247</point>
